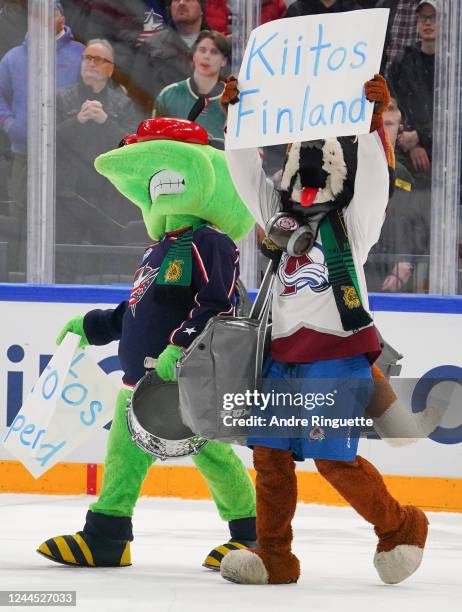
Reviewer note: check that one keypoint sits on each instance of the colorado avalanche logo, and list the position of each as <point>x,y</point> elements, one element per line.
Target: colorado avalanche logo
<point>144,277</point>
<point>296,273</point>
<point>317,433</point>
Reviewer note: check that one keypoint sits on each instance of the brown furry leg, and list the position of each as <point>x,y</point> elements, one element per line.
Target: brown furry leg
<point>402,530</point>
<point>276,502</point>
<point>362,486</point>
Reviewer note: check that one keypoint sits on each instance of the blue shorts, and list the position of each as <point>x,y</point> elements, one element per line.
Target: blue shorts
<point>323,391</point>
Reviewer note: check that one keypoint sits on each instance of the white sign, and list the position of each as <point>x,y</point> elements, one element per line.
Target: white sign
<point>72,399</point>
<point>303,78</point>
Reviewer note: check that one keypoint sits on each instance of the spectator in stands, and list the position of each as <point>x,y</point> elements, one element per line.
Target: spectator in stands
<point>320,7</point>
<point>91,117</point>
<point>218,13</point>
<point>210,56</point>
<point>169,53</point>
<point>404,232</point>
<point>402,28</point>
<point>13,80</point>
<point>13,111</point>
<point>411,81</point>
<point>127,25</point>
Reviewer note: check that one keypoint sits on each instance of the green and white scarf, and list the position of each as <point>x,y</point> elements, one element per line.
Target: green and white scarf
<point>342,272</point>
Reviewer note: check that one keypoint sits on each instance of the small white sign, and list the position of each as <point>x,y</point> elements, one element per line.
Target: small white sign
<point>72,399</point>
<point>303,78</point>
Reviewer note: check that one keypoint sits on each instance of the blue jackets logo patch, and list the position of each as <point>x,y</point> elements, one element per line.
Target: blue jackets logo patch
<point>144,277</point>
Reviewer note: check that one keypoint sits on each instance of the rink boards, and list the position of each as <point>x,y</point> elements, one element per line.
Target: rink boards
<point>427,330</point>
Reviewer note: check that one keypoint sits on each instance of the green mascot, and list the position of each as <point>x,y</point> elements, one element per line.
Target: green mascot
<point>192,211</point>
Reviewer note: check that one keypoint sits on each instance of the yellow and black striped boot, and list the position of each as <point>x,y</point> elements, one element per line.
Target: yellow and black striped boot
<point>243,536</point>
<point>104,542</point>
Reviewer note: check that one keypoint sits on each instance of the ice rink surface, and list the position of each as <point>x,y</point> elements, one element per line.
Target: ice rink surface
<point>172,537</point>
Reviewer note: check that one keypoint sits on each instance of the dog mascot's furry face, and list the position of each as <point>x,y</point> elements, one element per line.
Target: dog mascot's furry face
<point>320,172</point>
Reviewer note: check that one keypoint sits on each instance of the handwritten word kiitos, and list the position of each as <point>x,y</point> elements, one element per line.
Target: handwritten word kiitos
<point>295,57</point>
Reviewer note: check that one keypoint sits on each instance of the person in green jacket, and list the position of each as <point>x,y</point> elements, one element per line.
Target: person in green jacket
<point>211,52</point>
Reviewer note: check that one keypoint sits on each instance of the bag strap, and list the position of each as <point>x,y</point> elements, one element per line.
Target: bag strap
<point>261,311</point>
<point>260,306</point>
<point>243,303</point>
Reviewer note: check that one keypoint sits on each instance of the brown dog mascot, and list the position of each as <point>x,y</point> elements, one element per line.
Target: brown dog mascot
<point>326,329</point>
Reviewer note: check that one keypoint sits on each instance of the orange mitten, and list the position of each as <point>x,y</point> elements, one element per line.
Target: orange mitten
<point>230,93</point>
<point>377,91</point>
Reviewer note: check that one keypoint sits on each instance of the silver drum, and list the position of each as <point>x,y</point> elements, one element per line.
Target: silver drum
<point>154,421</point>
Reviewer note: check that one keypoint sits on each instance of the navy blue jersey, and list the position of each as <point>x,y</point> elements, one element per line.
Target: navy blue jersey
<point>145,326</point>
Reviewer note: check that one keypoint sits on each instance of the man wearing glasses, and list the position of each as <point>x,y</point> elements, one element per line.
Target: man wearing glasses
<point>91,118</point>
<point>97,68</point>
<point>411,81</point>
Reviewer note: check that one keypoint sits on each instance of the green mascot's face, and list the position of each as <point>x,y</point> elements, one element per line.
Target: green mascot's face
<point>167,168</point>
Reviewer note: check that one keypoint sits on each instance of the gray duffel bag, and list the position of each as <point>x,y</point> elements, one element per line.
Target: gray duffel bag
<point>224,361</point>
